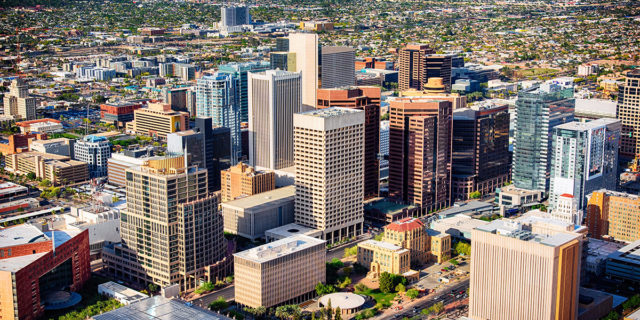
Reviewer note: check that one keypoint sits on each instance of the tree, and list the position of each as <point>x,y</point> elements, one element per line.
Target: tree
<point>290,311</point>
<point>352,251</point>
<point>463,248</point>
<point>360,287</point>
<point>379,237</point>
<point>45,183</point>
<point>438,307</point>
<point>153,287</point>
<point>412,293</point>
<point>344,283</point>
<point>386,282</point>
<point>475,195</point>
<point>338,314</point>
<point>322,289</point>
<point>31,176</point>
<point>329,310</point>
<point>400,288</point>
<point>219,304</point>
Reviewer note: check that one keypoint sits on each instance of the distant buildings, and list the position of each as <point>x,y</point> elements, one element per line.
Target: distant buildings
<point>584,159</point>
<point>508,257</point>
<point>40,125</point>
<point>55,168</point>
<point>627,112</point>
<point>281,272</point>
<point>586,70</point>
<point>316,25</point>
<point>242,180</point>
<point>234,16</point>
<point>418,62</point>
<point>338,67</point>
<point>611,214</point>
<point>274,96</point>
<point>60,146</point>
<point>538,110</point>
<point>33,266</point>
<point>241,71</point>
<point>305,46</point>
<point>17,102</point>
<point>120,162</point>
<point>480,159</point>
<point>95,151</point>
<point>366,99</point>
<point>158,120</point>
<point>285,61</point>
<point>329,164</point>
<point>217,97</point>
<point>118,114</point>
<point>420,152</point>
<point>251,216</point>
<point>172,231</point>
<point>19,142</point>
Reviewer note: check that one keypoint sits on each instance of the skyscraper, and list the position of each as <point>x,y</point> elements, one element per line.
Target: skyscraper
<point>217,97</point>
<point>613,214</point>
<point>520,272</point>
<point>420,152</point>
<point>171,230</point>
<point>538,110</point>
<point>628,111</point>
<point>285,61</point>
<point>366,99</point>
<point>95,151</point>
<point>584,159</point>
<point>305,46</point>
<point>241,72</point>
<point>329,159</point>
<point>207,147</point>
<point>234,16</point>
<point>242,180</point>
<point>481,160</point>
<point>17,102</point>
<point>338,67</point>
<point>417,63</point>
<point>274,96</point>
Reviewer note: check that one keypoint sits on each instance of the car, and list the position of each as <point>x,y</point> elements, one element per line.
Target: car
<point>462,292</point>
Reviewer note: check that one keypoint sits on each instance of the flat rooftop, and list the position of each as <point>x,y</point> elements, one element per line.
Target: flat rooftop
<point>513,229</point>
<point>10,187</point>
<point>386,207</point>
<point>127,293</point>
<point>471,207</point>
<point>279,248</point>
<point>582,126</point>
<point>330,112</point>
<point>262,198</point>
<point>160,308</point>
<point>291,229</point>
<point>16,264</point>
<point>384,245</point>
<point>21,234</point>
<point>629,253</point>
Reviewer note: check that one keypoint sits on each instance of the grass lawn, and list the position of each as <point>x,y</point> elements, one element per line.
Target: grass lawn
<point>379,296</point>
<point>538,72</point>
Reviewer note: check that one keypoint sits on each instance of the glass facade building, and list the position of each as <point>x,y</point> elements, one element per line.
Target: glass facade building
<point>241,72</point>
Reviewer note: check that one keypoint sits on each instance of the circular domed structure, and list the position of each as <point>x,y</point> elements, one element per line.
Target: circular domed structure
<point>347,302</point>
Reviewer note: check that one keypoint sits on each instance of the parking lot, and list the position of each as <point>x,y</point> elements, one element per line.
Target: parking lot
<point>436,275</point>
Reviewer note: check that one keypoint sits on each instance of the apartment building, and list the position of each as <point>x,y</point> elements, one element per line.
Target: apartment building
<point>281,272</point>
<point>242,180</point>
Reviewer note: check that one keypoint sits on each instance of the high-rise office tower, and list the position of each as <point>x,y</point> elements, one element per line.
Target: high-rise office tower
<point>520,272</point>
<point>234,16</point>
<point>95,151</point>
<point>338,67</point>
<point>613,214</point>
<point>206,146</point>
<point>384,148</point>
<point>17,102</point>
<point>366,99</point>
<point>420,152</point>
<point>628,111</point>
<point>481,160</point>
<point>305,46</point>
<point>172,228</point>
<point>538,110</point>
<point>241,72</point>
<point>329,159</point>
<point>217,97</point>
<point>417,63</point>
<point>282,44</point>
<point>274,96</point>
<point>283,61</point>
<point>584,159</point>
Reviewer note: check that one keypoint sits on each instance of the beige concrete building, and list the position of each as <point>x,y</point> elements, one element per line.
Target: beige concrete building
<point>242,180</point>
<point>55,168</point>
<point>614,215</point>
<point>439,246</point>
<point>329,153</point>
<point>411,234</point>
<point>305,46</point>
<point>158,120</point>
<point>17,102</point>
<point>519,274</point>
<point>435,89</point>
<point>251,216</point>
<point>172,229</point>
<point>380,256</point>
<point>281,272</point>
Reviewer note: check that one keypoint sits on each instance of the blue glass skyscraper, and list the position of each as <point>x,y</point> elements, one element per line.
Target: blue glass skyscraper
<point>241,72</point>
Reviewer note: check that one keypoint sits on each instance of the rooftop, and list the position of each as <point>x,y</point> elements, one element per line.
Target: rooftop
<point>337,49</point>
<point>342,300</point>
<point>629,253</point>
<point>160,308</point>
<point>292,229</point>
<point>383,245</point>
<point>583,126</point>
<point>127,293</point>
<point>279,248</point>
<point>94,139</point>
<point>469,208</point>
<point>263,198</point>
<point>10,187</point>
<point>16,264</point>
<point>330,112</point>
<point>384,206</point>
<point>514,229</point>
<point>21,234</point>
<point>406,224</point>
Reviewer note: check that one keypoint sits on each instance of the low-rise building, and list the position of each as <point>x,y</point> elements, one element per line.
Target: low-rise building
<point>281,272</point>
<point>291,230</point>
<point>411,234</point>
<point>118,114</point>
<point>458,226</point>
<point>243,180</point>
<point>439,246</point>
<point>18,142</point>
<point>18,205</point>
<point>55,168</point>
<point>119,162</point>
<point>380,256</point>
<point>512,197</point>
<point>251,216</point>
<point>59,146</point>
<point>624,264</point>
<point>158,120</point>
<point>124,295</point>
<point>10,190</point>
<point>159,307</point>
<point>40,125</point>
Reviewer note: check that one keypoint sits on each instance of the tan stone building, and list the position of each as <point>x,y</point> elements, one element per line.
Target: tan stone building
<point>158,120</point>
<point>519,274</point>
<point>434,89</point>
<point>243,180</point>
<point>613,214</point>
<point>439,246</point>
<point>172,230</point>
<point>380,256</point>
<point>411,234</point>
<point>55,168</point>
<point>280,272</point>
<point>18,103</point>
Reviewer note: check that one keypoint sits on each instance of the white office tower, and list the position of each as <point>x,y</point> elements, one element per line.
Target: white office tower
<point>584,159</point>
<point>329,159</point>
<point>274,96</point>
<point>305,46</point>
